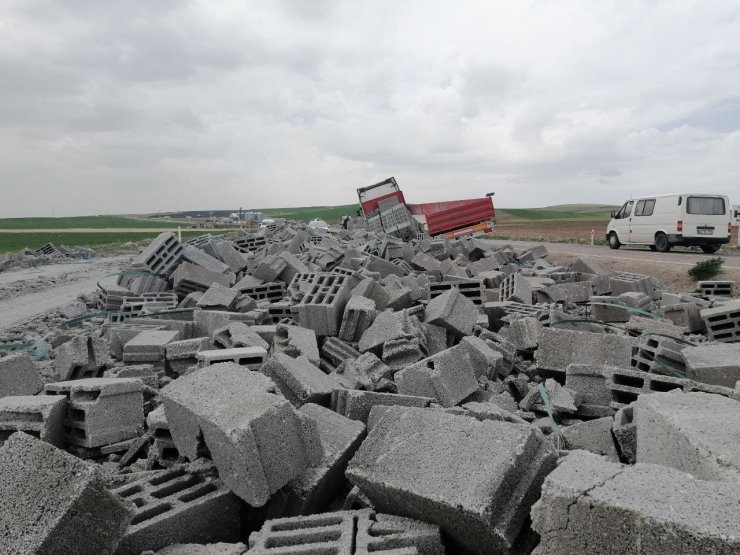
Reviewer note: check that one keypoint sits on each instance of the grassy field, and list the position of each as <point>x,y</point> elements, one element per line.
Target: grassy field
<point>307,213</point>
<point>13,242</point>
<point>92,222</point>
<point>562,212</point>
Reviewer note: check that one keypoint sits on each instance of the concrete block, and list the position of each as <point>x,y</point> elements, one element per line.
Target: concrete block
<point>180,355</point>
<point>364,372</point>
<point>480,497</point>
<point>693,432</point>
<point>232,415</point>
<point>149,346</point>
<point>523,332</point>
<point>717,364</point>
<point>163,450</point>
<point>357,405</point>
<point>296,341</point>
<point>624,282</point>
<point>388,326</point>
<point>323,305</point>
<point>238,334</point>
<point>587,266</point>
<point>590,505</point>
<point>81,357</point>
<point>515,287</point>
<point>716,288</point>
<point>251,358</point>
<point>660,355</point>
<point>270,268</point>
<point>161,256</point>
<point>293,267</point>
<point>723,322</point>
<point>473,289</point>
<point>41,416</point>
<point>208,322</point>
<point>19,376</point>
<point>101,411</point>
<point>189,278</point>
<point>358,316</point>
<point>487,362</point>
<point>359,532</point>
<point>230,256</point>
<point>334,352</point>
<point>145,373</point>
<point>609,309</point>
<point>685,315</point>
<point>52,502</point>
<point>218,297</point>
<point>179,505</point>
<point>199,257</point>
<point>298,380</point>
<point>594,436</point>
<point>625,433</point>
<point>452,311</point>
<point>219,548</point>
<point>559,348</point>
<point>373,290</point>
<point>321,483</point>
<point>589,381</point>
<point>449,377</point>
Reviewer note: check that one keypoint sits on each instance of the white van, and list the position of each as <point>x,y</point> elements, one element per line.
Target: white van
<point>663,221</point>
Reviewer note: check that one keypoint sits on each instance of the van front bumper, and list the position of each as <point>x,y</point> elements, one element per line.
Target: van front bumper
<point>679,239</point>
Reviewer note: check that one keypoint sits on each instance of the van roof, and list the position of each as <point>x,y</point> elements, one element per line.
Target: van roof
<point>680,194</point>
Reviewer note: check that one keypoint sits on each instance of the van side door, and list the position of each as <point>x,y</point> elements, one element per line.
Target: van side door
<point>621,222</point>
<point>642,226</point>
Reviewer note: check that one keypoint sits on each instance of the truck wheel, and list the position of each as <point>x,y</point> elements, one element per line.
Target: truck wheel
<point>710,249</point>
<point>614,241</point>
<point>661,243</point>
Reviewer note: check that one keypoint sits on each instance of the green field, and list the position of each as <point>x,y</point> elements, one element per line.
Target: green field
<point>306,214</point>
<point>13,242</point>
<point>561,212</point>
<point>91,222</point>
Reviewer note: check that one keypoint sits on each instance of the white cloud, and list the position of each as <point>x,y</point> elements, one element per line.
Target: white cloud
<point>138,106</point>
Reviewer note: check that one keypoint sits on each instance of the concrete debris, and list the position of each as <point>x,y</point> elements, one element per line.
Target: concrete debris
<point>310,391</point>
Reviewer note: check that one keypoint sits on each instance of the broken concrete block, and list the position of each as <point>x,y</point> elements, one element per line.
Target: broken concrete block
<point>716,288</point>
<point>19,376</point>
<point>358,316</point>
<point>220,548</point>
<point>41,416</point>
<point>356,405</point>
<point>373,290</point>
<point>53,502</point>
<point>479,497</point>
<point>270,268</point>
<point>388,326</point>
<point>693,432</point>
<point>145,373</point>
<point>515,287</point>
<point>149,346</point>
<point>713,364</point>
<point>452,311</point>
<point>180,505</point>
<point>624,282</point>
<point>590,505</point>
<point>298,380</point>
<point>101,411</point>
<point>590,383</point>
<point>296,341</point>
<point>208,322</point>
<point>365,372</point>
<point>321,483</point>
<point>322,307</point>
<point>723,322</point>
<point>625,433</point>
<point>189,278</point>
<point>232,414</point>
<point>181,355</point>
<point>449,377</point>
<point>199,257</point>
<point>559,348</point>
<point>685,315</point>
<point>238,334</point>
<point>81,357</point>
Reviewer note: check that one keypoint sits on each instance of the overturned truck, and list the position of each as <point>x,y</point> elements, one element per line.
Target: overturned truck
<point>385,208</point>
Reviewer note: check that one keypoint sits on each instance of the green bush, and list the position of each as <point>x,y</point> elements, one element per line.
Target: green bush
<point>706,269</point>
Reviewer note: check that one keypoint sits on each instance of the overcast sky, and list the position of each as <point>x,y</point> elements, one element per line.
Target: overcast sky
<point>139,106</point>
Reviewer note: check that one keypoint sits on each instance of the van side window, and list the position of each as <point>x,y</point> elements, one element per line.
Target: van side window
<point>639,207</point>
<point>708,206</point>
<point>647,209</point>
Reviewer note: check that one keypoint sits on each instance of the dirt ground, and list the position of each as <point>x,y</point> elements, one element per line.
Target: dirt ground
<point>572,231</point>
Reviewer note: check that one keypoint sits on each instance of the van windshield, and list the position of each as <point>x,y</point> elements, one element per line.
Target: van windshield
<point>707,206</point>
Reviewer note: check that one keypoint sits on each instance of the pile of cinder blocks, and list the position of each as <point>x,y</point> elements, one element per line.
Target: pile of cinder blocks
<point>302,392</point>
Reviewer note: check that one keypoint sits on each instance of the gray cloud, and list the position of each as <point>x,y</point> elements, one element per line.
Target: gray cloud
<point>139,106</point>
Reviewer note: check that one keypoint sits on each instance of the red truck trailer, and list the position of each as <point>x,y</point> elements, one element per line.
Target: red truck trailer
<point>385,207</point>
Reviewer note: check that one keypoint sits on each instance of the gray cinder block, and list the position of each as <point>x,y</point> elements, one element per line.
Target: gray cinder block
<point>19,376</point>
<point>249,357</point>
<point>693,432</point>
<point>161,256</point>
<point>81,357</point>
<point>296,341</point>
<point>453,311</point>
<point>559,348</point>
<point>713,364</point>
<point>356,405</point>
<point>149,346</point>
<point>299,381</point>
<point>218,297</point>
<point>233,416</point>
<point>358,316</point>
<point>180,505</point>
<point>101,411</point>
<point>480,497</point>
<point>53,502</point>
<point>41,416</point>
<point>449,377</point>
<point>590,505</point>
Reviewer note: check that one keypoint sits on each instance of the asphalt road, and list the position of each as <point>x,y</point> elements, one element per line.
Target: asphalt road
<point>674,257</point>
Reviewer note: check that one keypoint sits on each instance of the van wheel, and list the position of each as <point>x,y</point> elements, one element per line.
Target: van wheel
<point>710,249</point>
<point>614,241</point>
<point>652,248</point>
<point>661,243</point>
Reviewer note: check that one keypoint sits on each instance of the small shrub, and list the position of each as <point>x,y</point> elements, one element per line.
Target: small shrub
<point>706,269</point>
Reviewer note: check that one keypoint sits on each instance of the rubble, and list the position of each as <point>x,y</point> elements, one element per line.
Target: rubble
<point>306,391</point>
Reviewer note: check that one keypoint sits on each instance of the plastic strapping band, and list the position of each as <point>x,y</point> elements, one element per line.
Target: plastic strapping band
<point>548,407</point>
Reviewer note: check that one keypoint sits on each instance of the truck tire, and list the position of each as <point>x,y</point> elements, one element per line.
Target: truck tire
<point>710,249</point>
<point>613,241</point>
<point>661,243</point>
